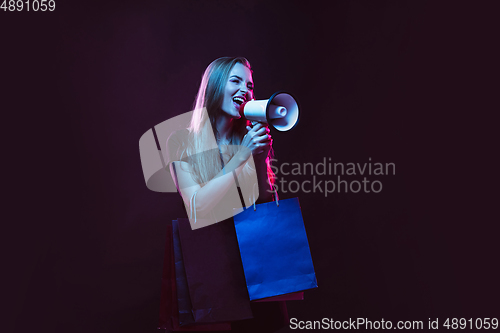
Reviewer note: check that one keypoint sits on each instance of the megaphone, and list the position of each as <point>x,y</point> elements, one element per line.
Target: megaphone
<point>281,111</point>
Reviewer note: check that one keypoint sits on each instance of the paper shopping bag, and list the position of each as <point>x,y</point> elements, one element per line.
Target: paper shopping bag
<point>183,300</point>
<point>169,317</point>
<point>274,249</point>
<point>214,273</point>
<point>167,286</point>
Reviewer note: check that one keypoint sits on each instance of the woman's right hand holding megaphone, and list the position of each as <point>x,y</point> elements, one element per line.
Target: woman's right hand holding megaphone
<point>258,140</point>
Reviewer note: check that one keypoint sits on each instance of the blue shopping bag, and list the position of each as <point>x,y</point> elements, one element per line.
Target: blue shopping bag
<point>274,249</point>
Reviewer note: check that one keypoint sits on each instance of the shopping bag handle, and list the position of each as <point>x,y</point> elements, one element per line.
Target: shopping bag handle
<point>192,205</point>
<point>275,196</point>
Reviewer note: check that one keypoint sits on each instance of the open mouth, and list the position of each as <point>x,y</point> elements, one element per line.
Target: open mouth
<point>239,100</point>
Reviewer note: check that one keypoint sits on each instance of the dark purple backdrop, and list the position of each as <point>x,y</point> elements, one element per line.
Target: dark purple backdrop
<point>405,82</point>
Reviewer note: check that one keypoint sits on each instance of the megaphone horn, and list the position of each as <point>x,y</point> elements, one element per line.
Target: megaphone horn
<point>281,111</point>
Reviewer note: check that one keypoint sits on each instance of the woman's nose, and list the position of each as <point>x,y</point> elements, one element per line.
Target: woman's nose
<point>244,91</point>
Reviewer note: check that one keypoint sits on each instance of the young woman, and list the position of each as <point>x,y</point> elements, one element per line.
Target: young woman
<point>219,152</point>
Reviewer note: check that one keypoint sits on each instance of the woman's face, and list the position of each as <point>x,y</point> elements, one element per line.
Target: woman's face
<point>239,89</point>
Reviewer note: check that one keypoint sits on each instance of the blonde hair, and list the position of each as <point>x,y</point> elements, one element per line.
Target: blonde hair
<point>204,158</point>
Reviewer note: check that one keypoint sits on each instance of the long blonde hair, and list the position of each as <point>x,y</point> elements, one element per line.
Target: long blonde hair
<point>206,162</point>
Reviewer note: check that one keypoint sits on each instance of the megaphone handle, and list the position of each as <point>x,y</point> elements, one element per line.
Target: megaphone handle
<point>254,123</point>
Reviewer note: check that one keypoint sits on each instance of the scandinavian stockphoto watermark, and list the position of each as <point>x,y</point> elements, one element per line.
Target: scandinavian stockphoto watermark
<point>324,177</point>
<point>328,177</point>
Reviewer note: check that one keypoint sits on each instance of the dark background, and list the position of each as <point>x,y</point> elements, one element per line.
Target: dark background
<point>414,83</point>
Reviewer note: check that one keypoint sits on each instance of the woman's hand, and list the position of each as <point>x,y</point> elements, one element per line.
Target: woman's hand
<point>258,140</point>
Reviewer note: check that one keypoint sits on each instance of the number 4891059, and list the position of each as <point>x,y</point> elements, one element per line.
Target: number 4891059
<point>478,323</point>
<point>33,5</point>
